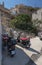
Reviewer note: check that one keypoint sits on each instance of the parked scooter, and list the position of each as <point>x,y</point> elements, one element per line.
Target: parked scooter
<point>5,40</point>
<point>25,42</point>
<point>11,47</point>
<point>12,51</point>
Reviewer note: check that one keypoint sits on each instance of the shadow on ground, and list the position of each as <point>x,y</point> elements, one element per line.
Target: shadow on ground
<point>34,57</point>
<point>33,50</point>
<point>30,49</point>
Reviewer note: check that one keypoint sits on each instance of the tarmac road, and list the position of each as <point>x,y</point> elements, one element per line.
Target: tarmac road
<point>23,55</point>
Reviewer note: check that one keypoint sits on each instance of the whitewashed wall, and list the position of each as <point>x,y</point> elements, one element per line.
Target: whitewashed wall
<point>37,15</point>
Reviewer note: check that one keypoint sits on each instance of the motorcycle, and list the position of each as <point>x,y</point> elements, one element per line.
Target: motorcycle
<point>5,40</point>
<point>12,51</point>
<point>25,42</point>
<point>11,47</point>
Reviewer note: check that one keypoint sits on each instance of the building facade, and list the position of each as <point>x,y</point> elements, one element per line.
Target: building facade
<point>22,9</point>
<point>5,14</point>
<point>37,15</point>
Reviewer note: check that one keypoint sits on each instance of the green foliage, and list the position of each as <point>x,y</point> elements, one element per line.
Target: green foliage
<point>23,22</point>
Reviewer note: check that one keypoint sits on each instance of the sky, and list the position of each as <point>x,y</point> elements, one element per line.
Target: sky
<point>11,3</point>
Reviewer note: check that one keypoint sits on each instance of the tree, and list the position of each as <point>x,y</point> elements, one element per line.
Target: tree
<point>23,22</point>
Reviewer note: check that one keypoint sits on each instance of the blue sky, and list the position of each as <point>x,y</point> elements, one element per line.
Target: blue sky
<point>12,3</point>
